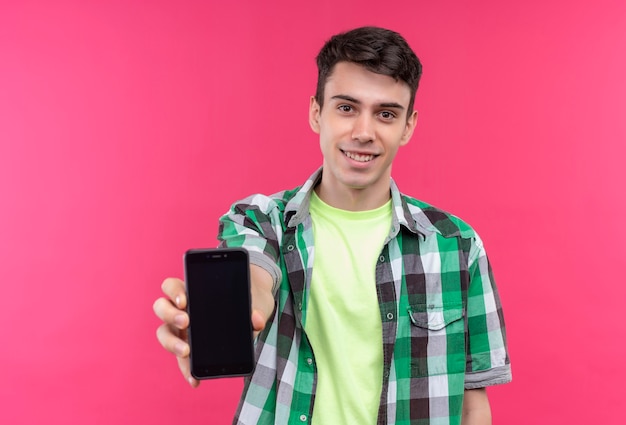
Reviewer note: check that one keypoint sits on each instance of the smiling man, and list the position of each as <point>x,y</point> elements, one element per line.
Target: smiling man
<point>371,307</point>
<point>363,124</point>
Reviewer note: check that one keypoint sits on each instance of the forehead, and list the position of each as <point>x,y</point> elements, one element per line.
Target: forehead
<point>356,81</point>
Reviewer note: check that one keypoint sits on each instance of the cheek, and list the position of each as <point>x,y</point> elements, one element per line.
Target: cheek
<point>397,137</point>
<point>333,126</point>
<point>327,134</point>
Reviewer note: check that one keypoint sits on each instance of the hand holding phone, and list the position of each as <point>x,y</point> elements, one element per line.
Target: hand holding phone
<point>219,308</point>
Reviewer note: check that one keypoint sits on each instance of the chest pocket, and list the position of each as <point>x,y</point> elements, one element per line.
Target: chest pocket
<point>437,342</point>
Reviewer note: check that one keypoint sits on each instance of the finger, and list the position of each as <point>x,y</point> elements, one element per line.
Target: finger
<point>185,368</point>
<point>174,289</point>
<point>172,342</point>
<point>169,314</point>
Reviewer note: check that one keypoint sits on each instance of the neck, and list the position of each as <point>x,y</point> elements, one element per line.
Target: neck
<point>354,199</point>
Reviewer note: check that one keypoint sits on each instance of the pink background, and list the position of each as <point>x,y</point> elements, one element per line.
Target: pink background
<point>128,127</point>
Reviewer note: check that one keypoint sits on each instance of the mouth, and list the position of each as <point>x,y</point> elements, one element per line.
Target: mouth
<point>359,157</point>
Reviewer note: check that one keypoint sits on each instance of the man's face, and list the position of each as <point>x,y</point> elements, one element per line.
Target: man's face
<point>362,124</point>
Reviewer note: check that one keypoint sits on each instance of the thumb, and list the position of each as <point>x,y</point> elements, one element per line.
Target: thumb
<point>258,321</point>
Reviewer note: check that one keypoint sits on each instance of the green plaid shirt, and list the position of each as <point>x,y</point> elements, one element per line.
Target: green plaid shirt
<point>442,324</point>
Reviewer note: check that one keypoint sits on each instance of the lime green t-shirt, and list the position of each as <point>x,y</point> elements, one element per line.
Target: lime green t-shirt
<point>343,319</point>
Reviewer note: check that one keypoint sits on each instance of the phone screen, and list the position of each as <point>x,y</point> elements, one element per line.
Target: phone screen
<point>218,303</point>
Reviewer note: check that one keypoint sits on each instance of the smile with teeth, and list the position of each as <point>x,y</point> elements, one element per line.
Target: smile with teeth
<point>359,157</point>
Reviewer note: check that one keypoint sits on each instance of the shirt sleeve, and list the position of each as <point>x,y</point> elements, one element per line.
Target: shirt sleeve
<point>487,358</point>
<point>254,224</point>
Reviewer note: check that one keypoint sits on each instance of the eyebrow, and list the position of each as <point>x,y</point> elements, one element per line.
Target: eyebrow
<point>358,102</point>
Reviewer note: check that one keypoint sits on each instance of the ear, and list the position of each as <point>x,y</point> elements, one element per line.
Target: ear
<point>314,115</point>
<point>409,128</point>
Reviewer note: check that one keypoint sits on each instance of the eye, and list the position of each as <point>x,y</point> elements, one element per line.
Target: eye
<point>345,108</point>
<point>387,115</point>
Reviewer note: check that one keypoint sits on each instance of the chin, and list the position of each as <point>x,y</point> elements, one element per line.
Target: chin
<point>359,184</point>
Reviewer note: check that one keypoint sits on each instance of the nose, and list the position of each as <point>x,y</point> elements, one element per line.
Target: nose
<point>363,129</point>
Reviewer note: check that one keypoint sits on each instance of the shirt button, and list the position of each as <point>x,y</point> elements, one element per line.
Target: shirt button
<point>389,316</point>
<point>381,259</point>
<point>289,247</point>
<point>299,306</point>
<point>303,418</point>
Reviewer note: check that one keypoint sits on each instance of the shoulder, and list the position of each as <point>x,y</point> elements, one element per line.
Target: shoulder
<point>437,220</point>
<point>274,203</point>
<point>287,207</point>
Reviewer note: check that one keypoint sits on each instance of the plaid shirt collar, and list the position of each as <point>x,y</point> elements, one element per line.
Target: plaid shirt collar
<point>297,209</point>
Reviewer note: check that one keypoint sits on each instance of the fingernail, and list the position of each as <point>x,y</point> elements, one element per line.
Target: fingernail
<point>178,301</point>
<point>191,381</point>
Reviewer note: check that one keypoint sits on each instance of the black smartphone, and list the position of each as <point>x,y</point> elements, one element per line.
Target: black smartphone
<point>218,304</point>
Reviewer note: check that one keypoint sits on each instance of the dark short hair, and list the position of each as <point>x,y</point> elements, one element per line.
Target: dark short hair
<point>379,50</point>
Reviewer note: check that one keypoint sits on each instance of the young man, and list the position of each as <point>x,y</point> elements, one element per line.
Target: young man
<point>371,307</point>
